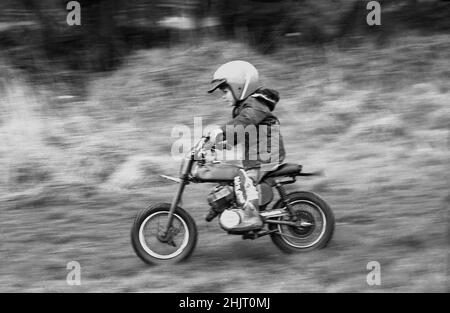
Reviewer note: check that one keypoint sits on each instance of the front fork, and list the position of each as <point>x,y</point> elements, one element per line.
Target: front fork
<point>165,234</point>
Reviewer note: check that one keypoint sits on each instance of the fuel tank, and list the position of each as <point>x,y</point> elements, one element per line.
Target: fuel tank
<point>215,172</point>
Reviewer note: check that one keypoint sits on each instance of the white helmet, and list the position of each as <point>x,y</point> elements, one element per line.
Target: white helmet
<point>241,76</point>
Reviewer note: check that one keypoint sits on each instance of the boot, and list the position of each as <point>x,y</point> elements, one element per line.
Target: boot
<point>212,214</point>
<point>250,218</point>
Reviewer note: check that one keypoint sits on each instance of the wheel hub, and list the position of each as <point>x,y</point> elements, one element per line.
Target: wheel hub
<point>305,223</point>
<point>167,237</point>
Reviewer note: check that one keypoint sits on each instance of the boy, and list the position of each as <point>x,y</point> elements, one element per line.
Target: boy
<point>263,144</point>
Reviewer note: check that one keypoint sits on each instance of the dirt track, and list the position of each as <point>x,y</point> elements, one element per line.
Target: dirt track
<point>409,245</point>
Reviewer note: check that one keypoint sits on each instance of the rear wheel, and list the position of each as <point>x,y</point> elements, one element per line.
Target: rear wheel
<point>315,224</point>
<point>147,239</point>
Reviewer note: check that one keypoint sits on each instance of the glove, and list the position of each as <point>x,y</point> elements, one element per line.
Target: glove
<point>216,135</point>
<point>208,145</point>
<point>223,145</point>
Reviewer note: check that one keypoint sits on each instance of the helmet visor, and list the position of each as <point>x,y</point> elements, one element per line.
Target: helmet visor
<point>216,84</point>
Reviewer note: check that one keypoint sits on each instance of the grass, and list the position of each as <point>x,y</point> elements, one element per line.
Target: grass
<point>74,172</point>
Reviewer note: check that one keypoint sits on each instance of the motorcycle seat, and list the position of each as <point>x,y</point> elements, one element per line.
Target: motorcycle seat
<point>286,169</point>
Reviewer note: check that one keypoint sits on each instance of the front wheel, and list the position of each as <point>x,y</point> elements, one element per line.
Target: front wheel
<point>151,246</point>
<point>315,224</point>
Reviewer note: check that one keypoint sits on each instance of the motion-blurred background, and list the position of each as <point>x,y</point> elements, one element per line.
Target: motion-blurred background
<point>86,114</point>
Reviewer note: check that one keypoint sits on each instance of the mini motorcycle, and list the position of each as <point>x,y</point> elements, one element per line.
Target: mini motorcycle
<point>297,221</point>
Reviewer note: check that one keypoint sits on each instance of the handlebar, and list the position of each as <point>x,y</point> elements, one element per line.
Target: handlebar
<point>198,151</point>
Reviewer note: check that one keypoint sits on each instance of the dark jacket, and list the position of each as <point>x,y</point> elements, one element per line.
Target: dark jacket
<point>263,140</point>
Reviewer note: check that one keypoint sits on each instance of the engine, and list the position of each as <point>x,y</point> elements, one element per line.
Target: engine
<point>230,218</point>
<point>221,198</point>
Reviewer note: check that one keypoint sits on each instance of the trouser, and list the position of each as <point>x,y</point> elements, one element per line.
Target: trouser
<point>245,185</point>
<point>245,189</point>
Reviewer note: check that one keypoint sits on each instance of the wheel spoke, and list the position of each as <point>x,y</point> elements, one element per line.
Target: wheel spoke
<point>159,229</point>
